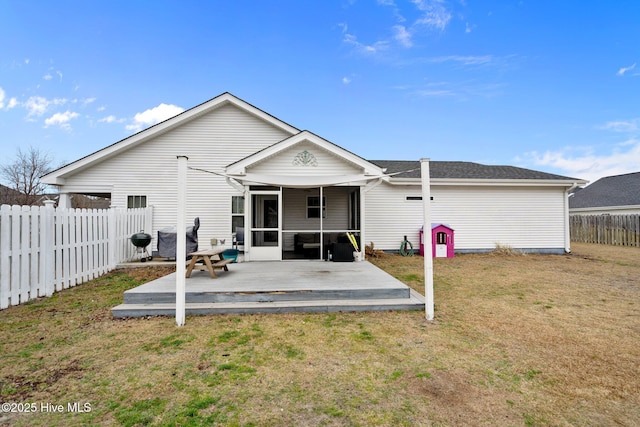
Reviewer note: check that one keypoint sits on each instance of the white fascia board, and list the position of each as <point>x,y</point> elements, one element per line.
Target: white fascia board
<point>57,177</point>
<point>492,182</point>
<point>599,209</point>
<point>239,168</point>
<point>88,189</point>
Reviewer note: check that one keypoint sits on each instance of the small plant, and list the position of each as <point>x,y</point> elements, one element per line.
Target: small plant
<point>506,250</point>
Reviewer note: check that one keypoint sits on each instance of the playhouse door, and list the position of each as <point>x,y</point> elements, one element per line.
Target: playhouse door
<point>441,245</point>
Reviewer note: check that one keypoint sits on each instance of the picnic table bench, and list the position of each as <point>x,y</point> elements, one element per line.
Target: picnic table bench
<point>212,260</point>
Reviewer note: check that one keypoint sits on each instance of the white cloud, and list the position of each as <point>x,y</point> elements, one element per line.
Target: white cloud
<point>61,119</point>
<point>623,70</point>
<point>37,105</point>
<point>47,76</point>
<point>622,125</point>
<point>153,115</point>
<point>111,119</point>
<point>402,35</point>
<point>465,60</point>
<point>10,104</point>
<point>346,80</point>
<point>432,14</point>
<point>364,49</point>
<point>585,164</point>
<point>435,14</point>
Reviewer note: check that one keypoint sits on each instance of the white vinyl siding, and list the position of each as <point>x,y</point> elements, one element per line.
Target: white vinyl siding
<point>283,163</point>
<point>482,216</point>
<point>211,142</point>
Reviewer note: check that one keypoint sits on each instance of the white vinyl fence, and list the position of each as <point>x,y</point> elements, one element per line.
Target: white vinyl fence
<point>44,250</point>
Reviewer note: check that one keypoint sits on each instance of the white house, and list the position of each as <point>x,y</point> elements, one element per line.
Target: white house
<point>291,192</point>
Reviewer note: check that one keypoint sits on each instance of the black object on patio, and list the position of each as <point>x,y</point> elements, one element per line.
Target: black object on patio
<point>141,241</point>
<point>167,240</point>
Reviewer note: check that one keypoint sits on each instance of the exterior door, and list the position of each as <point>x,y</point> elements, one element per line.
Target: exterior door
<point>266,225</point>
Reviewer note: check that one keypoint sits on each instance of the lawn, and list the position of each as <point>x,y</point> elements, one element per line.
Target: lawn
<point>518,340</point>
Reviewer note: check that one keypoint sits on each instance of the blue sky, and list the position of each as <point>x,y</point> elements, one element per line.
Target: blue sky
<point>547,85</point>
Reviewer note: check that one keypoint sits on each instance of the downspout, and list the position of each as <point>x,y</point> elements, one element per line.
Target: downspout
<point>235,184</point>
<point>567,229</point>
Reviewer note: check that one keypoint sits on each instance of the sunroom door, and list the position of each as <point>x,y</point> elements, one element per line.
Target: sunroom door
<point>266,225</point>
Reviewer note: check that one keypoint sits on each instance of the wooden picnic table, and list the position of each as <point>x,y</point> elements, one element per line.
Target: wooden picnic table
<point>212,259</point>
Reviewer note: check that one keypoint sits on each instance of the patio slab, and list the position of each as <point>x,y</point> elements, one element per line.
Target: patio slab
<point>278,286</point>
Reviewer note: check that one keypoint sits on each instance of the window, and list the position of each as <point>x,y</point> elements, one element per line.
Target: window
<point>313,207</point>
<point>136,202</point>
<point>237,213</point>
<point>441,238</point>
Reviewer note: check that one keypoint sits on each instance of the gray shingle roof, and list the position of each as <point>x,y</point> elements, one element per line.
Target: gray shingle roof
<point>464,170</point>
<point>618,190</point>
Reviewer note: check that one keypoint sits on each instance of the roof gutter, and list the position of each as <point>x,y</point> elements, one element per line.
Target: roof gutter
<point>567,226</point>
<point>493,182</point>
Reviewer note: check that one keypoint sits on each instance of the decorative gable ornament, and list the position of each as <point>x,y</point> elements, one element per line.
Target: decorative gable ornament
<point>305,158</point>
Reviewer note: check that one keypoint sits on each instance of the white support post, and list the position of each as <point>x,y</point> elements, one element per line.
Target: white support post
<point>64,201</point>
<point>428,255</point>
<point>321,222</point>
<point>47,248</point>
<point>181,241</point>
<point>362,220</point>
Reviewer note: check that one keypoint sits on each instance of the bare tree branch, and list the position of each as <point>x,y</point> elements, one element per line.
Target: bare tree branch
<point>23,175</point>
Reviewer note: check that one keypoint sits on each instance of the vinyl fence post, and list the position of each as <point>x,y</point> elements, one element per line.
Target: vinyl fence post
<point>47,247</point>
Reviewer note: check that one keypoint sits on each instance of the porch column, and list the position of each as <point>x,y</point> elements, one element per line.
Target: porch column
<point>64,200</point>
<point>181,241</point>
<point>321,224</point>
<point>362,217</point>
<point>247,224</point>
<point>428,250</point>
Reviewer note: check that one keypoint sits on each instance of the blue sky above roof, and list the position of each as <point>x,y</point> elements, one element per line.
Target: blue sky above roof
<point>538,84</point>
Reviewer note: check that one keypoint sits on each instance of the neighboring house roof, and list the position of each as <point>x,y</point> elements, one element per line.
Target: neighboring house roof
<point>466,170</point>
<point>8,195</point>
<point>618,190</point>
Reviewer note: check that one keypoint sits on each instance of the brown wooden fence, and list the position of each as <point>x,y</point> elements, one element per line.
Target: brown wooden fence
<point>621,230</point>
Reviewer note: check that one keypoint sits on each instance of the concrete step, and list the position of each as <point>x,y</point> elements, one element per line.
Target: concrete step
<point>414,302</point>
<point>138,296</point>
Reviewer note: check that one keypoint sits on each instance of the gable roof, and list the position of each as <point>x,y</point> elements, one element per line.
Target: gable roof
<point>57,176</point>
<point>467,170</point>
<point>240,166</point>
<point>366,170</point>
<point>617,190</point>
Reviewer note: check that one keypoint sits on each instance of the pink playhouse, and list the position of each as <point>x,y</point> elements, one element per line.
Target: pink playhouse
<point>441,241</point>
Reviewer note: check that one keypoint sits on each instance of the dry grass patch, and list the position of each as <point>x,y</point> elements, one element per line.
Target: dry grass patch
<point>518,340</point>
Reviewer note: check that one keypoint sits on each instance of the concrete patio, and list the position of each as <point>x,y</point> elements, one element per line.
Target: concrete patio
<point>275,287</point>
